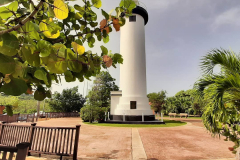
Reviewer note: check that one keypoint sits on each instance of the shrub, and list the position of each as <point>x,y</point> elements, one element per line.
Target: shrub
<point>89,113</point>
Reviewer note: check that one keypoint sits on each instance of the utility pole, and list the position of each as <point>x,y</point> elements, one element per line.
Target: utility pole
<point>38,107</point>
<point>44,105</point>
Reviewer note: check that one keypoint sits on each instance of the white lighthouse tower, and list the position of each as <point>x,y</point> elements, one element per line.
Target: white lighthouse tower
<point>131,103</point>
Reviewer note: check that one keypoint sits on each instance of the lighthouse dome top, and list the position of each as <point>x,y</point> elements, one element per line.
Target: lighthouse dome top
<point>141,9</point>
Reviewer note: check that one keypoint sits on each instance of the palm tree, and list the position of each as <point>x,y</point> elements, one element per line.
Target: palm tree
<point>221,94</point>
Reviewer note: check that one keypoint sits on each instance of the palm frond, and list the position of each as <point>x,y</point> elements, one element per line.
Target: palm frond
<point>225,58</point>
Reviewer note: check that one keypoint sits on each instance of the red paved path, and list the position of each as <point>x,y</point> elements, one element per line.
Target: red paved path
<point>187,142</point>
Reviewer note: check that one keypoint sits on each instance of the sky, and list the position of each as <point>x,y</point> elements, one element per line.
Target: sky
<point>179,33</point>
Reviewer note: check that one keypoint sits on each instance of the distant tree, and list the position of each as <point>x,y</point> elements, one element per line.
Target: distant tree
<point>184,102</point>
<point>103,85</point>
<point>171,105</point>
<point>68,101</point>
<point>157,100</point>
<point>98,99</point>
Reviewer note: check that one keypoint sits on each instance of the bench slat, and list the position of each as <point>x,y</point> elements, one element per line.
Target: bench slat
<point>4,155</point>
<point>10,156</point>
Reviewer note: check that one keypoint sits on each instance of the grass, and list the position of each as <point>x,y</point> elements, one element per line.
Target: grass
<point>169,123</point>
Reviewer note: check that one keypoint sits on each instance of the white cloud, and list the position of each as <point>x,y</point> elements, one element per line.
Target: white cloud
<point>229,17</point>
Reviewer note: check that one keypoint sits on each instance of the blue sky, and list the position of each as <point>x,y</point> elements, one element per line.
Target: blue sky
<point>178,35</point>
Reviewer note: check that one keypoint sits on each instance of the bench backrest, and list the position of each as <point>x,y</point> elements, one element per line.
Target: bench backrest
<point>48,140</point>
<point>172,114</point>
<point>11,134</point>
<point>185,114</point>
<point>44,140</point>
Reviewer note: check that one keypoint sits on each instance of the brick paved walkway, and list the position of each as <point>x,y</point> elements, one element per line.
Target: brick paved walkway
<point>189,142</point>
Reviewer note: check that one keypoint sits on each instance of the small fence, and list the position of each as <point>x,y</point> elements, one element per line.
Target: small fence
<point>9,119</point>
<point>33,117</point>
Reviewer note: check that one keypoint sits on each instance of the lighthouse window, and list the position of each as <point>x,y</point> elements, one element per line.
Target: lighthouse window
<point>132,19</point>
<point>133,104</point>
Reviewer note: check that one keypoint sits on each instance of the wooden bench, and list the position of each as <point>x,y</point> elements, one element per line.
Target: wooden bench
<point>21,150</point>
<point>183,115</point>
<point>62,141</point>
<point>172,114</point>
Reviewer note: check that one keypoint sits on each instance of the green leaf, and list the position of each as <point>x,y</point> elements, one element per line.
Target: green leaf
<point>78,15</point>
<point>104,50</point>
<point>59,49</point>
<point>128,4</point>
<point>99,38</point>
<point>105,14</point>
<point>57,67</point>
<point>73,65</point>
<point>78,41</point>
<point>75,26</point>
<point>19,69</point>
<point>30,29</point>
<point>4,2</point>
<point>93,24</point>
<point>69,77</point>
<point>32,58</point>
<point>44,47</point>
<point>7,64</point>
<point>31,7</point>
<point>15,88</point>
<point>91,41</point>
<point>122,21</point>
<point>70,54</point>
<point>106,39</point>
<point>97,3</point>
<point>98,32</point>
<point>48,94</point>
<point>117,58</point>
<point>41,74</point>
<point>51,12</point>
<point>82,27</point>
<point>6,11</point>
<point>39,95</point>
<point>9,110</point>
<point>79,8</point>
<point>92,67</point>
<point>9,44</point>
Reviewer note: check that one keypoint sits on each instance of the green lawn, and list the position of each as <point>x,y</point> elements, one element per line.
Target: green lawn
<point>169,123</point>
